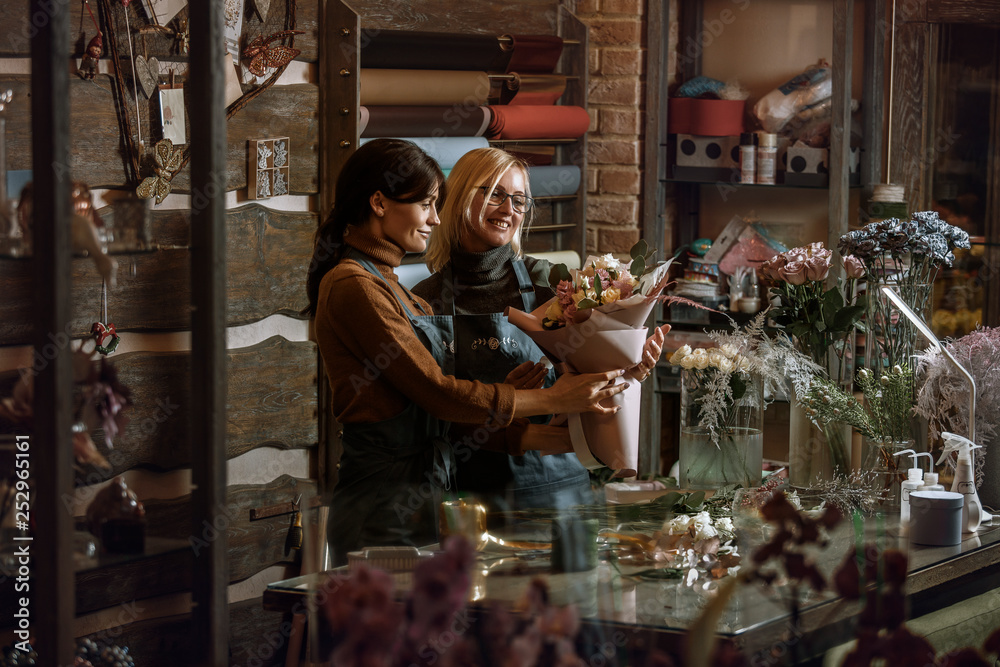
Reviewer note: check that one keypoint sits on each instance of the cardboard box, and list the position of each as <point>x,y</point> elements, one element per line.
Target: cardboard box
<point>706,158</point>
<point>809,166</point>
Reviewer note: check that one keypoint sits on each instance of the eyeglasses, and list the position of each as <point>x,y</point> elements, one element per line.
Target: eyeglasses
<point>520,203</point>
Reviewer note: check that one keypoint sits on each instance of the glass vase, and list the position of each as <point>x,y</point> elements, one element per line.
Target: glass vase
<point>816,453</point>
<point>885,470</point>
<point>732,452</point>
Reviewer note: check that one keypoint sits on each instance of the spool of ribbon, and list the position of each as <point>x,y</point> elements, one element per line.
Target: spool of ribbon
<point>424,87</point>
<point>423,121</point>
<point>535,54</point>
<point>389,49</point>
<point>538,122</point>
<point>445,150</point>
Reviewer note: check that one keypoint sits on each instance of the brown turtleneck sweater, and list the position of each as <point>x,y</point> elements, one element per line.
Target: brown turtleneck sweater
<point>374,360</point>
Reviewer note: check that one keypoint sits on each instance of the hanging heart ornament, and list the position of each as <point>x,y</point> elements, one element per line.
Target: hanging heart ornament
<point>148,72</point>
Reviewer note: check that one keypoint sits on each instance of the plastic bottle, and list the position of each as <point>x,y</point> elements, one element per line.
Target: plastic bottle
<point>767,154</point>
<point>748,157</point>
<point>914,479</point>
<point>965,479</point>
<point>931,480</point>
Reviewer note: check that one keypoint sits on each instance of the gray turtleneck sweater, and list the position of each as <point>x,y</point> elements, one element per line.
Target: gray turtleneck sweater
<point>485,282</point>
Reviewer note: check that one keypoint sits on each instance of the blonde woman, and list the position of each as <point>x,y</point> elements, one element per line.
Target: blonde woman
<point>478,270</point>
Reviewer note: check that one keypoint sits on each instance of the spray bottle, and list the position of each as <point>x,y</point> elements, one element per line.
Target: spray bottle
<point>965,479</point>
<point>914,480</point>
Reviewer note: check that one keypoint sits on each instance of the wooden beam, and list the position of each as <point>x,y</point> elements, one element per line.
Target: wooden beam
<point>873,107</point>
<point>51,600</point>
<point>210,577</point>
<point>840,123</point>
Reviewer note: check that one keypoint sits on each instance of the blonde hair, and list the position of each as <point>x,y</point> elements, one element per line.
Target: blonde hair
<point>478,167</point>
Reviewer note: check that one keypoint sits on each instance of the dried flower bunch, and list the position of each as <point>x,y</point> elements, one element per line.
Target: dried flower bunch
<point>943,398</point>
<point>883,416</point>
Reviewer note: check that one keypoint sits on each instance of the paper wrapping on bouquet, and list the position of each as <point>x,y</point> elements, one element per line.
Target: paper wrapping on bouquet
<point>612,336</point>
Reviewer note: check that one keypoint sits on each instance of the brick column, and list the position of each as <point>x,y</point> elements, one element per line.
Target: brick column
<point>617,68</point>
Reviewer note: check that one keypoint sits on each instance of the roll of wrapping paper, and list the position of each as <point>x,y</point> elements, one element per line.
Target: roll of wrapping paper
<point>533,89</point>
<point>391,49</point>
<point>553,181</point>
<point>423,87</point>
<point>537,122</point>
<point>534,54</point>
<point>445,150</point>
<point>450,121</point>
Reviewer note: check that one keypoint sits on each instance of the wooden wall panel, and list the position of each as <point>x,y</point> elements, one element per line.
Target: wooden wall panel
<point>268,251</point>
<point>272,409</point>
<point>253,545</point>
<point>97,154</point>
<point>908,160</point>
<point>16,29</point>
<point>963,11</point>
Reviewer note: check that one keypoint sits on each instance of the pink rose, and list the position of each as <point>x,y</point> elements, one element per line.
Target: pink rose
<point>817,267</point>
<point>793,273</point>
<point>796,255</point>
<point>770,268</point>
<point>854,267</point>
<point>816,247</point>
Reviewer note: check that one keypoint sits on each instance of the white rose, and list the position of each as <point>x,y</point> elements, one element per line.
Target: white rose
<point>743,364</point>
<point>701,361</point>
<point>678,525</point>
<point>724,365</point>
<point>724,524</point>
<point>607,261</point>
<point>688,362</point>
<point>703,528</point>
<point>729,350</point>
<point>681,352</point>
<point>714,357</point>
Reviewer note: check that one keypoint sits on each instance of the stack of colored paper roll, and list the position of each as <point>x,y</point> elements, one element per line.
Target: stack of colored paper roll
<point>441,91</point>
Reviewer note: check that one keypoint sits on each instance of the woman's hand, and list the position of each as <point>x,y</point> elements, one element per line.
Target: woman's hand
<point>650,354</point>
<point>584,392</point>
<point>529,375</point>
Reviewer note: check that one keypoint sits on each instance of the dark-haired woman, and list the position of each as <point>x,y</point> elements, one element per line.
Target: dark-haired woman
<point>384,351</point>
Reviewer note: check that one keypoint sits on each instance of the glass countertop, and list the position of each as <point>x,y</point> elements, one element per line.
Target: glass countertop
<point>633,595</point>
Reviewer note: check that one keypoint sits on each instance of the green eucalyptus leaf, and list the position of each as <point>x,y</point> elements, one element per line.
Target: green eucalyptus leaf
<point>587,303</point>
<point>558,272</point>
<point>695,500</point>
<point>639,249</point>
<point>638,267</point>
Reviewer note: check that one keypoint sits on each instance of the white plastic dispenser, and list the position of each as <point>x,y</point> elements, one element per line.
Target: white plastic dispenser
<point>914,480</point>
<point>931,480</point>
<point>965,479</point>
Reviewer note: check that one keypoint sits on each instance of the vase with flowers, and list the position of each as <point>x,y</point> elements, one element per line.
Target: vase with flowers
<point>722,402</point>
<point>821,322</point>
<point>906,256</point>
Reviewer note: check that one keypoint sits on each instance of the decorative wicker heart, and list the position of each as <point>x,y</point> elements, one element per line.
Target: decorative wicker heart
<point>148,73</point>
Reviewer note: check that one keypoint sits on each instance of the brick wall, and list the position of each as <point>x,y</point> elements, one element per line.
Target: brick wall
<point>618,69</point>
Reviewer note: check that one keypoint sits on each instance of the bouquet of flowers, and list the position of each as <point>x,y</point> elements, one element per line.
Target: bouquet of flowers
<point>905,254</point>
<point>596,323</point>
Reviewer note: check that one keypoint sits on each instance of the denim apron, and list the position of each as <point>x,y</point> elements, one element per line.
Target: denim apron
<point>392,471</point>
<point>487,348</point>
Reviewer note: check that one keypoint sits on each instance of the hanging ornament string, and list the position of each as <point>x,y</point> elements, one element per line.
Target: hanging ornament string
<point>125,121</point>
<point>92,17</point>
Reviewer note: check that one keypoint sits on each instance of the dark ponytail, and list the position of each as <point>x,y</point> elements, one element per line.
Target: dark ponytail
<point>398,169</point>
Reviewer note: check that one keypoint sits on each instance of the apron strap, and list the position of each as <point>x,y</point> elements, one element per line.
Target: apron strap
<point>367,264</point>
<point>524,284</point>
